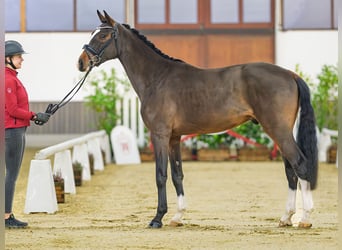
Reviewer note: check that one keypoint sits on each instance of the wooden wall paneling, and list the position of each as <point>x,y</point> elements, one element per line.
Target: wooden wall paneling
<point>227,49</point>
<point>188,48</point>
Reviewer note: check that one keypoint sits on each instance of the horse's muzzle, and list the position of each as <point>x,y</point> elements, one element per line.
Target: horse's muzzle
<point>83,62</point>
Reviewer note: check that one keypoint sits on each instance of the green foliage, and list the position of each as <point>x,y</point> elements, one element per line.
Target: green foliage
<point>215,141</point>
<point>106,93</point>
<point>324,96</point>
<point>249,130</point>
<point>254,132</point>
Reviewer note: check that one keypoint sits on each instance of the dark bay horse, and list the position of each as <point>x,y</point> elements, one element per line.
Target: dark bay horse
<point>179,99</point>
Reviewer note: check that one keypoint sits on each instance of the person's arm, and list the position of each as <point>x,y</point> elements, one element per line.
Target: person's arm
<point>11,102</point>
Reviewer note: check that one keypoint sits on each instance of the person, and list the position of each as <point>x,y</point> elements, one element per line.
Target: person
<point>17,119</point>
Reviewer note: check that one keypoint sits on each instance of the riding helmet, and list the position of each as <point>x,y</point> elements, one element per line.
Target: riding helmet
<point>13,48</point>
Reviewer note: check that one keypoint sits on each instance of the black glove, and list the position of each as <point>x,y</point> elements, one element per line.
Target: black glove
<point>41,118</point>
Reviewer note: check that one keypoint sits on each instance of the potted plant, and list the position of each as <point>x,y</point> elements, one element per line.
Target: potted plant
<point>77,167</point>
<point>59,187</point>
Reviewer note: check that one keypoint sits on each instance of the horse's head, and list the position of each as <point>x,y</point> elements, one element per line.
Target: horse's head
<point>102,46</point>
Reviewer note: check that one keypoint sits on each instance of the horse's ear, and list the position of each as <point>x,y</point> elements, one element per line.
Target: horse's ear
<point>101,17</point>
<point>109,20</point>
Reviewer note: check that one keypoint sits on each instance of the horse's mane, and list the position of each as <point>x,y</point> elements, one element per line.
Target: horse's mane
<point>150,44</point>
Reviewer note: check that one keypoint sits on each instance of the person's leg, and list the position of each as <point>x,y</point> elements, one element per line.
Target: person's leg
<point>14,151</point>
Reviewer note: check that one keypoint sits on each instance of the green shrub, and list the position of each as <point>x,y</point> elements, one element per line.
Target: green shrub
<point>106,89</point>
<point>324,96</point>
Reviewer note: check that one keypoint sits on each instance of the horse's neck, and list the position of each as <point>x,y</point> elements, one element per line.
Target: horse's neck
<point>141,63</point>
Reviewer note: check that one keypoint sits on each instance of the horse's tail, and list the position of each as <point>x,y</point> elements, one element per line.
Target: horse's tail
<point>306,136</point>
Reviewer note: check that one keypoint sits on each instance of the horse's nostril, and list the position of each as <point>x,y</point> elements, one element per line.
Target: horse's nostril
<point>80,65</point>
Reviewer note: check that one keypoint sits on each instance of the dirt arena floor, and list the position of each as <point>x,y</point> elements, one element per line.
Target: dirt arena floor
<point>230,205</point>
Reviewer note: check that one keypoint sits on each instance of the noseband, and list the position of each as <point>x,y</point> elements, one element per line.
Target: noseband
<point>94,55</point>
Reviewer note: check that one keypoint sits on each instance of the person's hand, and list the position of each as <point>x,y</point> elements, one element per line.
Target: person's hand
<point>41,118</point>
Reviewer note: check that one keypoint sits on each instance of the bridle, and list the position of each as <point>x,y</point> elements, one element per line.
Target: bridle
<point>94,55</point>
<point>94,58</point>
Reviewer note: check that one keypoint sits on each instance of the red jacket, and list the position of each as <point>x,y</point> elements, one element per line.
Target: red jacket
<point>17,113</point>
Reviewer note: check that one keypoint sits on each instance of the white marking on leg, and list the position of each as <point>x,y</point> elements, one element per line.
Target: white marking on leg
<point>177,218</point>
<point>290,209</point>
<point>307,201</point>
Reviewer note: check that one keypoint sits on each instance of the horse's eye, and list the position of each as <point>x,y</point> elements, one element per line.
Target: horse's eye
<point>102,36</point>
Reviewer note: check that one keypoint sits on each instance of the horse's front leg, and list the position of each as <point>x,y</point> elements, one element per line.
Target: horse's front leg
<point>161,145</point>
<point>177,179</point>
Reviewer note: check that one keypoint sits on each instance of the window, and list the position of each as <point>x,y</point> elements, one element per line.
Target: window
<point>12,15</point>
<point>256,11</point>
<point>199,14</point>
<point>151,11</point>
<point>59,15</point>
<point>87,18</point>
<point>166,12</point>
<point>223,11</point>
<point>183,11</point>
<point>309,14</point>
<point>52,15</point>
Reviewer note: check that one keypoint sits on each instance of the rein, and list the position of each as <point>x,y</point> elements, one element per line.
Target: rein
<point>95,58</point>
<point>52,108</point>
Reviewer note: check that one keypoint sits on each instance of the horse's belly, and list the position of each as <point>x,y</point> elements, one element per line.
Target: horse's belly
<point>208,123</point>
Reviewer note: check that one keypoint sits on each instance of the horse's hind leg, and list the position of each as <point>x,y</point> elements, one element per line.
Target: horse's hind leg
<point>290,208</point>
<point>297,161</point>
<point>177,179</point>
<point>307,204</point>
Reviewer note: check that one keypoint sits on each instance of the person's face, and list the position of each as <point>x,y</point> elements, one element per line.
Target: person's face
<point>17,60</point>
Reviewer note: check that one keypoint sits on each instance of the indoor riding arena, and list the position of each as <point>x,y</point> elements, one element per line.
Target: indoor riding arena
<point>230,205</point>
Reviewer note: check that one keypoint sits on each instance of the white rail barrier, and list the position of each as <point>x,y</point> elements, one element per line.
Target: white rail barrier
<point>41,195</point>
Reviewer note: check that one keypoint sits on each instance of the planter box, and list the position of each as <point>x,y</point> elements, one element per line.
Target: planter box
<point>208,154</point>
<point>78,177</point>
<point>59,187</point>
<point>254,154</point>
<point>147,155</point>
<point>186,154</point>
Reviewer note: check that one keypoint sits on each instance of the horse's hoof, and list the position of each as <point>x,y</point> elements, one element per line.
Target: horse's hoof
<point>155,224</point>
<point>176,223</point>
<point>286,223</point>
<point>304,225</point>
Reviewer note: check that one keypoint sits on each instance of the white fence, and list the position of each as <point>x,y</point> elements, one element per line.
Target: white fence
<point>41,195</point>
<point>129,110</point>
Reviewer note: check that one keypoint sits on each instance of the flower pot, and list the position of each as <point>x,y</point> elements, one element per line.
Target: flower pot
<point>332,152</point>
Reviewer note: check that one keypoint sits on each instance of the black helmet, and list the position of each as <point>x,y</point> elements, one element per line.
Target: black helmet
<point>13,48</point>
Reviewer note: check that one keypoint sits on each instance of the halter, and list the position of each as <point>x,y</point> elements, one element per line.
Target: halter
<point>95,56</point>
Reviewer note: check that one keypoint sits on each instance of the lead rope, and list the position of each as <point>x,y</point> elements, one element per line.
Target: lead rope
<point>52,108</point>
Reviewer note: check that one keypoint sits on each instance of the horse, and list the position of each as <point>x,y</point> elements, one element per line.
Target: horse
<point>179,99</point>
